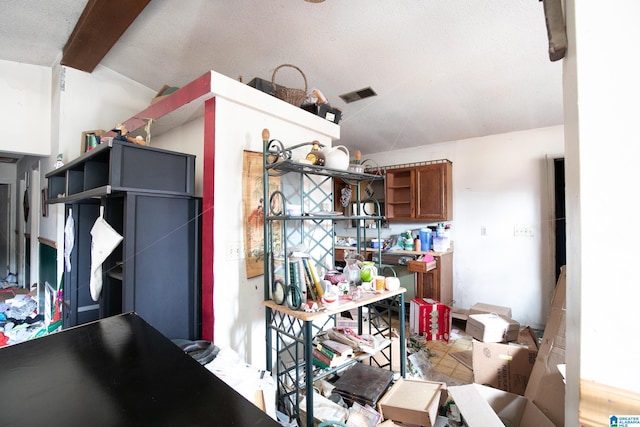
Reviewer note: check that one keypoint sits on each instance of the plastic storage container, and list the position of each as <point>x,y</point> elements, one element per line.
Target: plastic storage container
<point>426,239</point>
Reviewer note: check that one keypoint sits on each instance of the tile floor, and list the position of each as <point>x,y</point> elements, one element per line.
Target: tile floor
<point>444,363</point>
<point>440,354</point>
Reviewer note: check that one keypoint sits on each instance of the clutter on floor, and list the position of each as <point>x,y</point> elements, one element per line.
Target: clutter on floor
<point>475,373</point>
<point>256,385</point>
<point>22,317</point>
<point>19,318</point>
<point>486,370</point>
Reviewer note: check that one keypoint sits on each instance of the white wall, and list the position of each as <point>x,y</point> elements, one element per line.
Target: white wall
<point>8,176</point>
<point>25,108</point>
<point>601,93</point>
<point>85,101</point>
<point>99,100</point>
<point>499,181</point>
<point>239,314</point>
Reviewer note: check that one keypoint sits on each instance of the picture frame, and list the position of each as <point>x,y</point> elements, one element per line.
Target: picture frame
<point>253,211</point>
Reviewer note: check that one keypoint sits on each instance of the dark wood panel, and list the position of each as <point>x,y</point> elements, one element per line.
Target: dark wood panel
<point>99,27</point>
<point>118,371</point>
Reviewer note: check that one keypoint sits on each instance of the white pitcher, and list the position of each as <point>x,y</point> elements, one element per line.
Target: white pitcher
<point>336,157</point>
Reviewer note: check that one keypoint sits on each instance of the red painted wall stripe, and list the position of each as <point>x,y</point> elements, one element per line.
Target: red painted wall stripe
<point>208,203</point>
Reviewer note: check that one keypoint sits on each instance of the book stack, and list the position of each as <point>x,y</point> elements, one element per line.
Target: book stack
<point>304,275</point>
<point>330,354</point>
<point>312,280</point>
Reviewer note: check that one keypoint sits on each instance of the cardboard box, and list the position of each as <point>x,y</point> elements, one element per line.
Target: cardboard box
<point>413,402</point>
<point>9,293</point>
<point>482,406</point>
<point>490,327</point>
<point>431,318</point>
<point>480,307</point>
<point>546,386</point>
<point>505,366</point>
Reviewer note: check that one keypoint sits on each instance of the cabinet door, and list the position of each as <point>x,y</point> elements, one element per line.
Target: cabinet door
<point>161,263</point>
<point>399,198</point>
<point>434,192</point>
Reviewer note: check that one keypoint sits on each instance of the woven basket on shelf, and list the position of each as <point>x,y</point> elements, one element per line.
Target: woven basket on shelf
<point>292,96</point>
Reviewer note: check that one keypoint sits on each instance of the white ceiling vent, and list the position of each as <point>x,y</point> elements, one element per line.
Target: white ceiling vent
<point>357,95</point>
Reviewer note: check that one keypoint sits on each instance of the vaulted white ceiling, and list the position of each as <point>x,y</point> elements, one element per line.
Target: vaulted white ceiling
<point>443,70</point>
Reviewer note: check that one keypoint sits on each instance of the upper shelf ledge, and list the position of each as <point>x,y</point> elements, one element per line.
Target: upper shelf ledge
<point>187,103</point>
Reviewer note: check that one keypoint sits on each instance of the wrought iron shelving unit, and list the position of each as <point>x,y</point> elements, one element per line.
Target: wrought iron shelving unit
<point>290,330</point>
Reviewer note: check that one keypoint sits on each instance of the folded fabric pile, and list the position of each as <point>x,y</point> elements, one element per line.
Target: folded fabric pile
<point>19,320</point>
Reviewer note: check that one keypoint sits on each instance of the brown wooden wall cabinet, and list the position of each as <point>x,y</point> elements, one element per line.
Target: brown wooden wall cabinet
<point>420,193</point>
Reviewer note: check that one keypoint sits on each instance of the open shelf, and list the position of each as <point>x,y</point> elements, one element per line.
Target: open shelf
<point>122,166</point>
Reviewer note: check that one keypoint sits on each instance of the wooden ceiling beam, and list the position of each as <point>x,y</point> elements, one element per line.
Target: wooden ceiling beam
<point>100,26</point>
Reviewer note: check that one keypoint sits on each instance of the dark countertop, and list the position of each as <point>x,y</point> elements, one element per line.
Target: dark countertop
<point>118,371</point>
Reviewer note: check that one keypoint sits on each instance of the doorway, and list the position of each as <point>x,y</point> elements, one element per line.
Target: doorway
<point>5,230</point>
<point>34,226</point>
<point>559,215</point>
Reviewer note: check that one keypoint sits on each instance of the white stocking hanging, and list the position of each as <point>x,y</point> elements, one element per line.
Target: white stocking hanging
<point>69,240</point>
<point>104,240</point>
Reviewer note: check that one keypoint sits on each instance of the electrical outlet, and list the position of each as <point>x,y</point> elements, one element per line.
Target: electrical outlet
<point>483,230</point>
<point>229,251</point>
<point>523,231</point>
<point>234,250</point>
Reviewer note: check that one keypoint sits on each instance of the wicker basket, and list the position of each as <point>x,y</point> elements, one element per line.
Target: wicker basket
<point>292,96</point>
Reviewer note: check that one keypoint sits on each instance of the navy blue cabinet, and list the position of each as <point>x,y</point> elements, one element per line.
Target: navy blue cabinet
<point>146,195</point>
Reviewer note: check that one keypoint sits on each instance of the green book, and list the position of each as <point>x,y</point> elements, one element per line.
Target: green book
<point>324,350</point>
<point>295,280</point>
<point>320,359</point>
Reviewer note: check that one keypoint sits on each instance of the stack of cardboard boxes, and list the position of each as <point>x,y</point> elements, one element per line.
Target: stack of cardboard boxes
<point>515,378</point>
<point>503,354</point>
